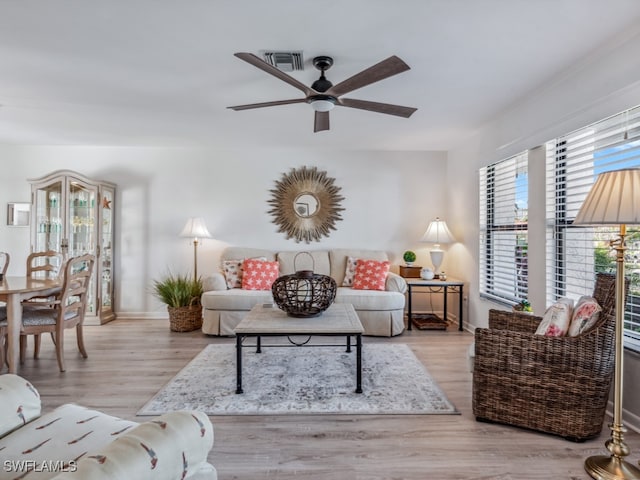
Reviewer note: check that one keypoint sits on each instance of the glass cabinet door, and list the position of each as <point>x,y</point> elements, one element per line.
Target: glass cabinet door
<point>48,215</point>
<point>82,214</point>
<point>106,253</point>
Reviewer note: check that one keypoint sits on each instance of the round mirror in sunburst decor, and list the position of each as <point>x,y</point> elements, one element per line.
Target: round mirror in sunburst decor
<point>306,204</point>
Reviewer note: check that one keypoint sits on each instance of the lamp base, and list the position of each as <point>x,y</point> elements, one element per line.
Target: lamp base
<point>602,467</point>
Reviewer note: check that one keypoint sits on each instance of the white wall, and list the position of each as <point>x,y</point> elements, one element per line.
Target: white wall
<point>390,197</point>
<point>604,84</point>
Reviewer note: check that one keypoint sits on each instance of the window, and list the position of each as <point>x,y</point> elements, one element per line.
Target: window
<point>503,230</point>
<point>577,253</point>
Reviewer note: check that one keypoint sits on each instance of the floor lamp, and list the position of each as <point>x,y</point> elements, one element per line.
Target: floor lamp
<point>614,199</point>
<point>195,228</point>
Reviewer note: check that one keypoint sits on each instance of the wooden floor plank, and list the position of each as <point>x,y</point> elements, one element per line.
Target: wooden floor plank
<point>130,360</point>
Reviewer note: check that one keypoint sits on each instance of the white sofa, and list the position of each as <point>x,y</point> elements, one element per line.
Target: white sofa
<point>381,312</point>
<point>73,442</point>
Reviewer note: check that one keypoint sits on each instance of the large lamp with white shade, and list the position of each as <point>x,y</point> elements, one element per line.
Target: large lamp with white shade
<point>437,233</point>
<point>195,228</point>
<point>614,199</point>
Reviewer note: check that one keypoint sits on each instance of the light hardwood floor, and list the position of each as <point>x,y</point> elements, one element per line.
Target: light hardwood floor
<point>129,361</point>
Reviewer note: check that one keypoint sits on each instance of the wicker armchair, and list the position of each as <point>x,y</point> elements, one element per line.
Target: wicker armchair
<point>557,385</point>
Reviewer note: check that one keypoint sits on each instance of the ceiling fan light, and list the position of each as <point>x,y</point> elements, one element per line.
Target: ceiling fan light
<point>322,105</point>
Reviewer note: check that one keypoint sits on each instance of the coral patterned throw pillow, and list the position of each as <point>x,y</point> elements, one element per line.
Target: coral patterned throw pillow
<point>370,274</point>
<point>259,274</point>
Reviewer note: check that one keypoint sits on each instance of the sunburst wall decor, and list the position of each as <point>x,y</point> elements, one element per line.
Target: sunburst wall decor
<point>306,204</point>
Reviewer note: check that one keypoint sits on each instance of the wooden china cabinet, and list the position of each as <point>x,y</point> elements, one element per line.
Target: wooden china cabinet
<point>73,214</point>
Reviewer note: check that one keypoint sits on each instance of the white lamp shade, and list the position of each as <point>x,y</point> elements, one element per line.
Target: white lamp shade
<point>438,233</point>
<point>614,199</point>
<point>195,228</point>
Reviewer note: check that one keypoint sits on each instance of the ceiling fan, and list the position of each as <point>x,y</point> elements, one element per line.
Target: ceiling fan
<point>323,95</point>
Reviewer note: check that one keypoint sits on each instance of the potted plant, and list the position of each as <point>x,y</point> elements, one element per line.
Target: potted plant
<point>181,294</point>
<point>409,257</point>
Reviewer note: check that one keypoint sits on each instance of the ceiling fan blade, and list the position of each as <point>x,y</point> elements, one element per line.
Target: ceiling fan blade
<point>321,122</point>
<point>270,69</point>
<point>267,104</point>
<point>387,108</point>
<point>386,68</point>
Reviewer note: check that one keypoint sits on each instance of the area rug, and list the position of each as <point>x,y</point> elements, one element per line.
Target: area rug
<point>303,380</point>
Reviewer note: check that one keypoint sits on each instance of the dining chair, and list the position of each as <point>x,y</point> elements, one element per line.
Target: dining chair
<point>45,264</point>
<point>4,262</point>
<point>67,310</point>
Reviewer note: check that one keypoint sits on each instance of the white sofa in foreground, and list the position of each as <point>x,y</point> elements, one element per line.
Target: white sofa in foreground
<point>75,443</point>
<point>381,312</point>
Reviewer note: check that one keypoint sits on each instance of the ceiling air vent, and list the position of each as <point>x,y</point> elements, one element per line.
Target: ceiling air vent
<point>285,61</point>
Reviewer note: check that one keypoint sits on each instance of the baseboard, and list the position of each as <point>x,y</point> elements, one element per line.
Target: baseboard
<point>142,316</point>
<point>630,420</point>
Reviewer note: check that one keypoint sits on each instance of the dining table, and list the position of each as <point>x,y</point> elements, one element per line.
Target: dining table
<point>14,290</point>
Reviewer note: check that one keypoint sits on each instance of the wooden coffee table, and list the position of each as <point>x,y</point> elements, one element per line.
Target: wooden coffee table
<point>339,320</point>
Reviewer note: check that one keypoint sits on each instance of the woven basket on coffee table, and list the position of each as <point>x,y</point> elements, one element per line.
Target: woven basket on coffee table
<point>185,319</point>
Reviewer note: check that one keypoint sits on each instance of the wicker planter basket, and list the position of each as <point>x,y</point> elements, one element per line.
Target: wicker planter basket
<point>185,319</point>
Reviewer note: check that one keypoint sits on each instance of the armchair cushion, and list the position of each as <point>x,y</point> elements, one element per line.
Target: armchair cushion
<point>148,451</point>
<point>556,320</point>
<point>585,315</point>
<point>19,403</point>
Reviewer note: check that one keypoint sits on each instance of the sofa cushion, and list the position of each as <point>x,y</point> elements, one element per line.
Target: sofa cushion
<point>318,262</point>
<point>149,451</point>
<point>19,403</point>
<point>232,253</point>
<point>370,299</point>
<point>349,272</point>
<point>370,274</point>
<point>235,299</point>
<point>233,271</point>
<point>258,274</point>
<point>338,258</point>
<point>65,434</point>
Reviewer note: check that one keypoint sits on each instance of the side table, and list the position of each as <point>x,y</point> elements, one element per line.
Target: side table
<point>435,286</point>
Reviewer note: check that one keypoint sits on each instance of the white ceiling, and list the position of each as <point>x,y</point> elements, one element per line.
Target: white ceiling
<point>162,72</point>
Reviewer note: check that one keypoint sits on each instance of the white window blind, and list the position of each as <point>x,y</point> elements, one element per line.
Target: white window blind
<point>577,253</point>
<point>503,230</point>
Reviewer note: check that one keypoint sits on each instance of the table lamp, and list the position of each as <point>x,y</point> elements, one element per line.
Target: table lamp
<point>437,233</point>
<point>195,228</point>
<point>614,199</point>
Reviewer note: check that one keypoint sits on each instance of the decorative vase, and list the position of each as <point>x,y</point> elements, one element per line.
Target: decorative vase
<point>427,274</point>
<point>304,293</point>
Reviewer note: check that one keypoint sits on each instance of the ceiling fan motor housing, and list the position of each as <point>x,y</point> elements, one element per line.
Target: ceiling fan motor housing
<point>322,63</point>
